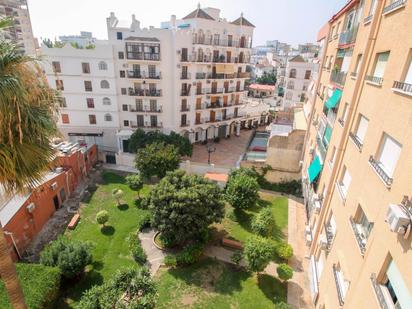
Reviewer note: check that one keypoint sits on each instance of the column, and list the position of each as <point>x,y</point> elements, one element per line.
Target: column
<point>227,129</point>
<point>216,132</point>
<point>238,129</point>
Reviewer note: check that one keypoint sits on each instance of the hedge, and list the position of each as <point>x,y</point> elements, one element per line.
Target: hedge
<point>40,286</point>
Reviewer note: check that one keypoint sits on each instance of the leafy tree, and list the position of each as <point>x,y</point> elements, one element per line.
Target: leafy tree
<point>242,189</point>
<point>264,223</point>
<point>284,251</point>
<point>117,195</point>
<point>129,288</point>
<point>135,182</point>
<point>267,79</point>
<point>102,217</point>
<point>257,253</point>
<point>285,272</point>
<point>48,43</point>
<point>282,305</point>
<point>69,255</point>
<point>183,206</point>
<point>156,159</point>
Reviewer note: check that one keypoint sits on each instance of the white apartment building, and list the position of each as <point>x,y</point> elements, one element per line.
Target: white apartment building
<point>297,80</point>
<point>84,39</point>
<point>21,31</point>
<point>186,76</point>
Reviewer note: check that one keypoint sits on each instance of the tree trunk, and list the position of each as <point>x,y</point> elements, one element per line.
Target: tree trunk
<point>9,275</point>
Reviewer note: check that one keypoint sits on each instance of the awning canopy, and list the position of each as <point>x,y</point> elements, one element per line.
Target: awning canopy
<point>327,135</point>
<point>225,68</point>
<point>334,99</point>
<point>314,169</point>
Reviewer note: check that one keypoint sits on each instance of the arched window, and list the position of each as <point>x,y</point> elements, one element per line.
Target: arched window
<point>107,117</point>
<point>102,66</point>
<point>292,73</point>
<point>291,84</point>
<point>104,84</point>
<point>106,101</point>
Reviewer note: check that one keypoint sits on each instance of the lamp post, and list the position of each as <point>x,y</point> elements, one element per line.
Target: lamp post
<point>210,149</point>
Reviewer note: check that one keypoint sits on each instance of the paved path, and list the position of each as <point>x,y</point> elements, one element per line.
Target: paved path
<point>298,286</point>
<point>155,256</point>
<point>222,254</point>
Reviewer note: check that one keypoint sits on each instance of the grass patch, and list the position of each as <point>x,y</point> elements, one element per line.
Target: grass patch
<point>241,230</point>
<point>111,249</point>
<point>213,284</point>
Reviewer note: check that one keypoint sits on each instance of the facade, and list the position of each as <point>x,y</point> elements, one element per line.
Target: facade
<point>357,166</point>
<point>261,91</point>
<point>297,80</point>
<point>21,31</point>
<point>187,76</point>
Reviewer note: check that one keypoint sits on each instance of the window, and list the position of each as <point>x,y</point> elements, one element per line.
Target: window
<point>333,156</point>
<point>123,91</point>
<point>152,71</point>
<point>408,75</point>
<point>106,101</point>
<point>361,128</point>
<point>358,63</point>
<point>140,120</point>
<point>362,226</point>
<point>307,74</point>
<point>337,29</point>
<point>120,55</point>
<point>65,118</point>
<point>292,73</point>
<point>125,108</point>
<point>291,85</point>
<point>108,117</point>
<point>289,95</point>
<point>153,106</point>
<point>381,60</point>
<point>104,84</point>
<point>85,67</point>
<point>102,66</point>
<point>344,182</point>
<point>88,85</point>
<point>62,102</point>
<point>59,84</point>
<point>330,62</point>
<point>90,102</point>
<point>342,285</point>
<point>373,7</point>
<point>126,123</point>
<point>92,119</point>
<point>122,74</point>
<point>344,114</point>
<point>388,155</point>
<point>56,67</point>
<point>119,35</point>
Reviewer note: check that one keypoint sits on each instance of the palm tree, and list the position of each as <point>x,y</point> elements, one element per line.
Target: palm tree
<point>27,110</point>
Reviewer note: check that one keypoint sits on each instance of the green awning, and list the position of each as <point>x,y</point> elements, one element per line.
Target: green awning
<point>334,99</point>
<point>327,135</point>
<point>314,169</point>
<point>340,53</point>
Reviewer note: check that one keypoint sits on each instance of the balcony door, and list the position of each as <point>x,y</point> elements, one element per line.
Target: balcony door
<point>226,86</point>
<point>198,103</point>
<point>229,40</point>
<point>214,87</point>
<point>228,56</point>
<point>183,119</point>
<point>225,98</point>
<point>184,54</point>
<point>153,105</point>
<point>153,121</point>
<point>242,42</point>
<point>212,116</point>
<point>197,118</point>
<point>238,86</point>
<point>140,120</point>
<point>199,88</point>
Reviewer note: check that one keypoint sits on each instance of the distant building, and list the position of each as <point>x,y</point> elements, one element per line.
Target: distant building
<point>261,91</point>
<point>84,39</point>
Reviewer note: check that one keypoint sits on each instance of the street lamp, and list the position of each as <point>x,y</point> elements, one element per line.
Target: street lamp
<point>210,149</point>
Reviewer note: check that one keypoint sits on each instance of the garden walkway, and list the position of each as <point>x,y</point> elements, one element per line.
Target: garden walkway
<point>155,256</point>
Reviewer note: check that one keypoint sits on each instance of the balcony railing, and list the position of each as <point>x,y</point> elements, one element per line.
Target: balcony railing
<point>321,147</point>
<point>349,36</point>
<point>185,92</point>
<point>145,92</point>
<point>145,109</point>
<point>185,108</point>
<point>142,56</point>
<point>341,122</point>
<point>144,75</point>
<point>356,141</point>
<point>353,74</point>
<point>404,87</point>
<point>379,170</point>
<point>220,76</point>
<point>220,42</point>
<point>339,288</point>
<point>185,75</point>
<point>380,297</point>
<point>359,239</point>
<point>330,235</point>
<point>374,80</point>
<point>185,124</point>
<point>393,6</point>
<point>368,19</point>
<point>213,105</point>
<point>338,77</point>
<point>200,75</point>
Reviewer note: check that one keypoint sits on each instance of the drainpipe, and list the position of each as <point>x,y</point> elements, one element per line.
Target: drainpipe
<point>368,57</point>
<point>14,242</point>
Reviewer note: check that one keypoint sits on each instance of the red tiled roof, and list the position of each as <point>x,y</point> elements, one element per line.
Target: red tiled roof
<point>262,87</point>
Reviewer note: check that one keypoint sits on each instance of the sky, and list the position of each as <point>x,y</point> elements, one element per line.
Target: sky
<point>290,21</point>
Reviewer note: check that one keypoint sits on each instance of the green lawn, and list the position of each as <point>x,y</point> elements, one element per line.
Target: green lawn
<point>111,251</point>
<point>213,284</point>
<point>241,230</point>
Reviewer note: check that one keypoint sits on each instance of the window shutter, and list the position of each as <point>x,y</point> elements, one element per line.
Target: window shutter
<point>389,155</point>
<point>361,132</point>
<point>401,289</point>
<point>346,180</point>
<point>408,78</point>
<point>380,64</point>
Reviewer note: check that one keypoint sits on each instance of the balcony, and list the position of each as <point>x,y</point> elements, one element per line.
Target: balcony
<point>330,235</point>
<point>394,6</point>
<point>402,87</point>
<point>185,124</point>
<point>359,239</point>
<point>217,119</point>
<point>341,122</point>
<point>338,77</point>
<point>153,93</point>
<point>349,36</point>
<point>143,56</point>
<point>321,147</point>
<point>185,75</point>
<point>220,42</point>
<point>243,75</point>
<point>185,92</point>
<point>136,92</point>
<point>142,109</point>
<point>216,91</point>
<point>339,288</point>
<point>380,296</point>
<point>145,92</point>
<point>356,141</point>
<point>374,80</point>
<point>368,19</point>
<point>220,76</point>
<point>214,105</point>
<point>144,75</point>
<point>200,75</point>
<point>381,173</point>
<point>185,109</point>
<point>353,75</point>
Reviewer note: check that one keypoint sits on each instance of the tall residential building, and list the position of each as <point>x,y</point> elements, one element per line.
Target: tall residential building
<point>357,167</point>
<point>187,76</point>
<point>85,39</point>
<point>21,31</point>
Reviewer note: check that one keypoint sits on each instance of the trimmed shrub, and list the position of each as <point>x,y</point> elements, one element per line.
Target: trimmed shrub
<point>282,305</point>
<point>145,221</point>
<point>170,261</point>
<point>285,272</point>
<point>231,215</point>
<point>102,217</point>
<point>134,181</point>
<point>284,251</point>
<point>236,257</point>
<point>263,223</point>
<point>136,249</point>
<point>258,252</point>
<point>242,190</point>
<point>190,254</point>
<point>69,255</point>
<point>117,194</point>
<point>40,286</point>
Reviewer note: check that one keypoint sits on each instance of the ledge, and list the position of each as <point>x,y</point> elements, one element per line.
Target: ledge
<point>373,84</point>
<point>387,10</point>
<point>399,91</point>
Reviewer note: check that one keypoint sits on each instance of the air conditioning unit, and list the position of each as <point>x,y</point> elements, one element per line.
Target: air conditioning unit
<point>397,218</point>
<point>31,207</point>
<point>311,150</point>
<point>54,186</point>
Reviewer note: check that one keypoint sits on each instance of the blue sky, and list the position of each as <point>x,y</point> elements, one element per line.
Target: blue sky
<point>291,21</point>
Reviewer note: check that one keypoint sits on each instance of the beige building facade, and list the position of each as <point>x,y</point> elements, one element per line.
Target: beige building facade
<point>357,165</point>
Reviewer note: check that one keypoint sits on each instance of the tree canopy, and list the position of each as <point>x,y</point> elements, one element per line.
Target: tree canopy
<point>242,189</point>
<point>267,79</point>
<point>258,252</point>
<point>183,206</point>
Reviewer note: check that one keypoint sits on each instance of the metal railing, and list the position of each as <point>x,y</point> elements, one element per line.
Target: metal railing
<point>356,140</point>
<point>144,75</point>
<point>368,19</point>
<point>200,75</point>
<point>338,77</point>
<point>185,124</point>
<point>374,79</point>
<point>380,297</point>
<point>145,109</point>
<point>341,122</point>
<point>330,235</point>
<point>145,92</point>
<point>185,75</point>
<point>393,6</point>
<point>321,147</point>
<point>339,288</point>
<point>379,170</point>
<point>185,92</point>
<point>359,239</point>
<point>349,36</point>
<point>402,86</point>
<point>354,74</point>
<point>142,56</point>
<point>185,108</point>
<point>220,42</point>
